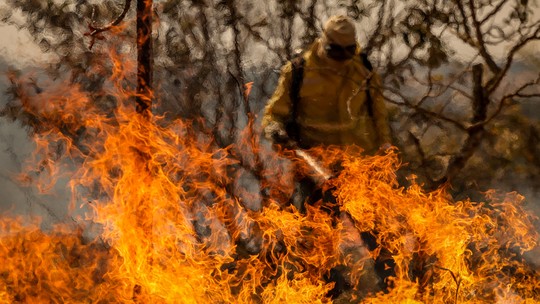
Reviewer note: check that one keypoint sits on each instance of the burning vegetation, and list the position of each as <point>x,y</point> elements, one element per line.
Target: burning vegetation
<point>172,231</point>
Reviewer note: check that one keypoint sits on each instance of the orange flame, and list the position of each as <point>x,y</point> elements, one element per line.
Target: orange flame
<point>247,90</point>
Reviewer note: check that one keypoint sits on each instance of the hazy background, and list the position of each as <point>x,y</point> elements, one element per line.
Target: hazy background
<point>19,51</point>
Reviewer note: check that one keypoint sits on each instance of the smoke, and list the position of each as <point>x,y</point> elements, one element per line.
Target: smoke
<point>532,204</point>
<point>15,197</point>
<point>16,147</point>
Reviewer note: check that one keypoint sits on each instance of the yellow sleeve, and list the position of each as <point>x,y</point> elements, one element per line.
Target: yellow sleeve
<point>279,109</point>
<point>380,113</point>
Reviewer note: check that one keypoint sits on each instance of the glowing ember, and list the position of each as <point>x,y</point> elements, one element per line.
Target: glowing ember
<point>171,226</point>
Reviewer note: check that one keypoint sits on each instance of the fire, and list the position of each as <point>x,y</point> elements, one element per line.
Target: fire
<point>460,248</point>
<point>174,229</point>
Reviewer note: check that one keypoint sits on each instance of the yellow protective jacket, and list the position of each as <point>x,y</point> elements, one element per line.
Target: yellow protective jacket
<point>332,109</point>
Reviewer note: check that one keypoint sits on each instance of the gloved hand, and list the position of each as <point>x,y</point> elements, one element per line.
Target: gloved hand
<point>280,137</point>
<point>277,134</point>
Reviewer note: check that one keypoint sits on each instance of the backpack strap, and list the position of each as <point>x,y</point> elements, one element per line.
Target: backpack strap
<point>369,66</point>
<point>297,78</point>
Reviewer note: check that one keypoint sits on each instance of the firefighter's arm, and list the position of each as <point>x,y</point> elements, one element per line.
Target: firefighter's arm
<point>380,113</point>
<point>279,109</point>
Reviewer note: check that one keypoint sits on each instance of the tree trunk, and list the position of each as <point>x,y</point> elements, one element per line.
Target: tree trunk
<point>144,102</point>
<point>144,55</point>
<point>475,133</point>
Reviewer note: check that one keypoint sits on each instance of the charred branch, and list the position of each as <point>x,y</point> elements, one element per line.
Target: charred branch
<point>480,41</point>
<point>519,93</point>
<point>456,278</point>
<point>494,83</point>
<point>95,30</point>
<point>475,132</point>
<point>375,40</point>
<point>289,10</point>
<point>311,29</point>
<point>493,12</point>
<point>234,18</point>
<point>406,102</point>
<point>144,56</point>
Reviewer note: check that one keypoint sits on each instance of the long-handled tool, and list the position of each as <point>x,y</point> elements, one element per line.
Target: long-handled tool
<point>371,278</point>
<point>323,174</point>
<point>310,185</point>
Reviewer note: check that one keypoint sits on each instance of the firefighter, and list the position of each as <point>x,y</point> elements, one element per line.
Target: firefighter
<point>329,95</point>
<point>337,101</point>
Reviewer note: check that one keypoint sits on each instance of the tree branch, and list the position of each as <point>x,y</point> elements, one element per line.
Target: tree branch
<point>144,56</point>
<point>496,80</point>
<point>474,132</point>
<point>370,44</point>
<point>95,31</point>
<point>480,40</point>
<point>421,110</point>
<point>456,280</point>
<point>468,35</point>
<point>502,103</point>
<point>493,12</point>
